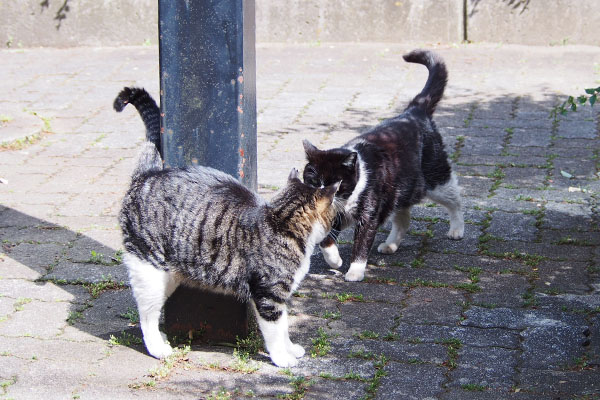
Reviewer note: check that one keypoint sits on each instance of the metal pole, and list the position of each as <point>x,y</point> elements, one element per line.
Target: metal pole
<point>208,117</point>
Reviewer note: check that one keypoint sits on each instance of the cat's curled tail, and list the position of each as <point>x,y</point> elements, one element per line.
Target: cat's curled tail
<point>147,108</point>
<point>151,155</point>
<point>436,82</point>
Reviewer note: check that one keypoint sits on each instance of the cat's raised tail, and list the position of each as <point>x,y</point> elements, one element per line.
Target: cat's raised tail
<point>436,82</point>
<point>146,106</point>
<point>150,158</point>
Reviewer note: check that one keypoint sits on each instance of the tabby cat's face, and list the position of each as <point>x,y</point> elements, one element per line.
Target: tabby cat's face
<point>326,167</point>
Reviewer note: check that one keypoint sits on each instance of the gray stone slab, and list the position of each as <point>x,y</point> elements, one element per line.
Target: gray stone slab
<point>490,367</point>
<point>335,389</point>
<point>568,383</point>
<point>512,226</point>
<point>78,272</point>
<point>398,384</point>
<point>504,290</point>
<point>554,347</point>
<point>563,276</point>
<point>433,306</point>
<point>509,318</point>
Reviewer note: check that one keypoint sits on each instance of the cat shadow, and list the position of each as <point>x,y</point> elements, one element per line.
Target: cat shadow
<point>68,267</point>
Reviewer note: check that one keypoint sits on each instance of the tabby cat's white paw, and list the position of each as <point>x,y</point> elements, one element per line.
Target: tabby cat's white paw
<point>159,350</point>
<point>356,272</point>
<point>284,359</point>
<point>386,248</point>
<point>296,350</point>
<point>332,256</point>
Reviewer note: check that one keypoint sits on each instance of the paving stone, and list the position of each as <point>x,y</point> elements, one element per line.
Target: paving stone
<point>335,390</point>
<point>74,272</point>
<point>433,306</point>
<point>487,394</point>
<point>505,290</point>
<point>491,367</point>
<point>398,384</point>
<point>554,347</point>
<point>566,383</point>
<point>512,226</point>
<point>397,349</point>
<point>575,253</point>
<point>509,318</point>
<point>104,317</point>
<point>563,276</point>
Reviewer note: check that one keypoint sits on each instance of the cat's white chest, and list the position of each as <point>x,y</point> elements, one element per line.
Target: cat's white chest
<point>317,234</point>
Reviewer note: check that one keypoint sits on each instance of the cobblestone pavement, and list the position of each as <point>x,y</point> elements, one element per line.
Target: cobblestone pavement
<point>512,311</point>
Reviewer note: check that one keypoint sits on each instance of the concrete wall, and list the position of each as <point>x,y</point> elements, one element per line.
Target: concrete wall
<point>359,20</point>
<point>61,23</point>
<point>82,23</point>
<point>534,21</point>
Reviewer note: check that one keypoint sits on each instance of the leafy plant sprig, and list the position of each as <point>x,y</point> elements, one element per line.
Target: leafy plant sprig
<point>572,103</point>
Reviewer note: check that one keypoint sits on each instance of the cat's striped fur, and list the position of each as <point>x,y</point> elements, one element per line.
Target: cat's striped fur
<point>200,226</point>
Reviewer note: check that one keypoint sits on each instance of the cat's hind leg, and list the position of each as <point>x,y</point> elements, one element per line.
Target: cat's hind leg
<point>151,288</point>
<point>448,195</point>
<point>400,222</point>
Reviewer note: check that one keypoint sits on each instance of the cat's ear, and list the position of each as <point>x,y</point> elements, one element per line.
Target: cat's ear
<point>330,190</point>
<point>293,176</point>
<point>350,161</point>
<point>309,148</point>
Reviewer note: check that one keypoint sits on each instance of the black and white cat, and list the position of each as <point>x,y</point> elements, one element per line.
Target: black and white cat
<point>199,226</point>
<point>387,170</point>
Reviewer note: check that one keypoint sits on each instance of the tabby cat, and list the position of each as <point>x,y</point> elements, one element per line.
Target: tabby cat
<point>199,226</point>
<point>387,170</point>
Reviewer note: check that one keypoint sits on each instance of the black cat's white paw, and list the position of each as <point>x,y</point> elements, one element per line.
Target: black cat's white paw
<point>356,272</point>
<point>387,248</point>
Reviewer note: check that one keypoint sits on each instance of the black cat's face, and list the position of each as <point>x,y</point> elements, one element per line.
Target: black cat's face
<point>326,167</point>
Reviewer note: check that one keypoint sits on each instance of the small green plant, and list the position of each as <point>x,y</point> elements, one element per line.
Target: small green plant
<point>344,297</point>
<point>391,336</point>
<point>364,355</point>
<point>321,345</point>
<point>529,299</point>
<point>5,118</point>
<point>300,384</point>
<point>98,258</point>
<point>162,371</point>
<point>21,301</point>
<point>381,280</point>
<point>132,315</point>
<point>251,345</point>
<point>590,96</point>
<point>367,335</point>
<point>380,372</point>
<point>332,315</point>
<point>73,317</point>
<point>452,345</point>
<point>126,339</point>
<point>6,383</point>
<point>107,283</point>
<point>417,263</point>
<point>242,363</point>
<point>474,387</point>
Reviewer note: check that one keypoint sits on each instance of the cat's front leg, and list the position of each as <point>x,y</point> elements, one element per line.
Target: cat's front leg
<point>364,235</point>
<point>330,252</point>
<point>273,324</point>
